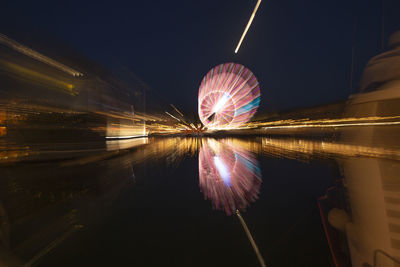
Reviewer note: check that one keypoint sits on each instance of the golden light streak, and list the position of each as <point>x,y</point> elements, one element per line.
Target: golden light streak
<point>125,137</point>
<point>36,55</point>
<point>323,123</point>
<point>3,116</point>
<point>3,131</point>
<point>248,25</point>
<point>296,148</point>
<point>334,125</point>
<point>176,110</point>
<point>180,113</point>
<point>172,116</point>
<point>42,77</point>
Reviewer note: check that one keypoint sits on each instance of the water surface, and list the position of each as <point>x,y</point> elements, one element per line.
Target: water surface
<point>172,202</point>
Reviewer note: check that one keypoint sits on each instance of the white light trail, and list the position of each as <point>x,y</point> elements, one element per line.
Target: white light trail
<point>223,170</point>
<point>248,25</point>
<point>221,103</point>
<point>172,116</point>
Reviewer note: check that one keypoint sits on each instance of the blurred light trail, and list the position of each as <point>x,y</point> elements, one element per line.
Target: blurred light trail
<point>322,123</point>
<point>183,123</point>
<point>251,239</point>
<point>36,55</point>
<point>302,148</point>
<point>176,110</point>
<point>334,125</point>
<point>188,126</point>
<point>221,103</point>
<point>222,170</point>
<point>125,137</point>
<point>248,25</point>
<point>118,144</point>
<point>34,75</point>
<point>172,116</point>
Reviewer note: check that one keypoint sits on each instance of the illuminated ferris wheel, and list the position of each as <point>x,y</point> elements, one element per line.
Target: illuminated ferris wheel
<point>229,95</point>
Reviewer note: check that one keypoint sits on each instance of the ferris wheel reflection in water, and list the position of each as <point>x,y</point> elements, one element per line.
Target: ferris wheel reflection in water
<point>229,175</point>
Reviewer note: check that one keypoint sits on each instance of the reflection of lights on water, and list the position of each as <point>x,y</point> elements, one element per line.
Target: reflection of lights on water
<point>295,148</point>
<point>222,170</point>
<point>116,144</point>
<point>229,175</point>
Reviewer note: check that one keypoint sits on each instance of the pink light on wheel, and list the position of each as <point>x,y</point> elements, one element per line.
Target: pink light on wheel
<point>229,175</point>
<point>229,95</point>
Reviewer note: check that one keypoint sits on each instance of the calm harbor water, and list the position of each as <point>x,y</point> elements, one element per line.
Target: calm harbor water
<point>172,202</point>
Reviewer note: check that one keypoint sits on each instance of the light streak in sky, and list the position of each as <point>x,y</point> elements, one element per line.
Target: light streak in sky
<point>229,95</point>
<point>248,25</point>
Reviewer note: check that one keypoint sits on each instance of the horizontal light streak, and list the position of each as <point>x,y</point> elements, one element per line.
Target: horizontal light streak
<point>297,148</point>
<point>328,122</point>
<point>126,136</point>
<point>34,75</point>
<point>333,125</point>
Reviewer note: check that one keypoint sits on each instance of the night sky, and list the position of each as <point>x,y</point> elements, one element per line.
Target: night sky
<point>300,51</point>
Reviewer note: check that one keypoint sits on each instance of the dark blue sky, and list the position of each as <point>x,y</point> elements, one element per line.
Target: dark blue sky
<point>299,50</point>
